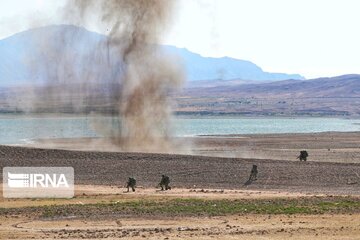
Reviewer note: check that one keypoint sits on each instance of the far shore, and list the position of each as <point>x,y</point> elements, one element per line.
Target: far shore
<point>175,115</point>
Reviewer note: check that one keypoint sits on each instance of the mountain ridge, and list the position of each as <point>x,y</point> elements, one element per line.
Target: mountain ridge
<point>20,54</point>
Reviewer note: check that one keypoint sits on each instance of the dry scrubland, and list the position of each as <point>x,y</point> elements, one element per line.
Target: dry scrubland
<point>211,198</point>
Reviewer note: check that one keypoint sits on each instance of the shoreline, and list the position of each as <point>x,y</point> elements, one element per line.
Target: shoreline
<point>343,147</point>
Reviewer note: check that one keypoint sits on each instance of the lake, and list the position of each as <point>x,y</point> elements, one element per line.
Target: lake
<point>20,130</point>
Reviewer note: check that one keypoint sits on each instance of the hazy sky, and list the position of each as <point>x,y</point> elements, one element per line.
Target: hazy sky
<point>310,37</point>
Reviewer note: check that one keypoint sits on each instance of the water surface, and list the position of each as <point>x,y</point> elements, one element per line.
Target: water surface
<point>19,130</point>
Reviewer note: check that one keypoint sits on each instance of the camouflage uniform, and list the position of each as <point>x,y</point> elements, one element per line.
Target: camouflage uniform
<point>165,181</point>
<point>303,156</point>
<point>253,174</point>
<point>131,184</point>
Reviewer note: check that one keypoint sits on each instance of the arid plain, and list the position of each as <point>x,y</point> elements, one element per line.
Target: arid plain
<point>211,197</point>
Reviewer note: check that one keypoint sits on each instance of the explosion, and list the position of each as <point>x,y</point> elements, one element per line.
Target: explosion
<point>135,76</point>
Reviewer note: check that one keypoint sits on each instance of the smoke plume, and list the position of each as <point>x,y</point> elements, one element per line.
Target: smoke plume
<point>132,78</point>
<point>146,77</point>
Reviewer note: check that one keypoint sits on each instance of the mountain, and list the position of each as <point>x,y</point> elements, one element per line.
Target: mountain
<point>225,68</point>
<point>51,52</point>
<point>217,86</point>
<point>40,53</point>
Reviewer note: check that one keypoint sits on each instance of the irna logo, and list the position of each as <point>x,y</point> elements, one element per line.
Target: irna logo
<point>19,180</point>
<point>38,182</point>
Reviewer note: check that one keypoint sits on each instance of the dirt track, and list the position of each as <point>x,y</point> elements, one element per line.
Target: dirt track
<point>100,168</point>
<point>230,227</point>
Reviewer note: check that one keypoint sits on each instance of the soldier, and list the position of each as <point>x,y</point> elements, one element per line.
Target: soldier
<point>253,174</point>
<point>303,156</point>
<point>131,184</point>
<point>165,181</point>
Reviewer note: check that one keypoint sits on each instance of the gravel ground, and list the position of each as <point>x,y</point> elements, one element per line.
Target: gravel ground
<point>106,168</point>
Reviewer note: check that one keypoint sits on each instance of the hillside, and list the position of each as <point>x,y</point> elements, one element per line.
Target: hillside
<point>341,86</point>
<point>30,57</point>
<point>337,96</point>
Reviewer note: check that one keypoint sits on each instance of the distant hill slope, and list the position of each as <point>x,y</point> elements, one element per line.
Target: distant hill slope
<point>337,96</point>
<point>23,60</point>
<point>341,86</point>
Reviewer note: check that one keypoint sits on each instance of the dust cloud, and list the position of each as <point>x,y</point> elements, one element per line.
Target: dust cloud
<point>132,80</point>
